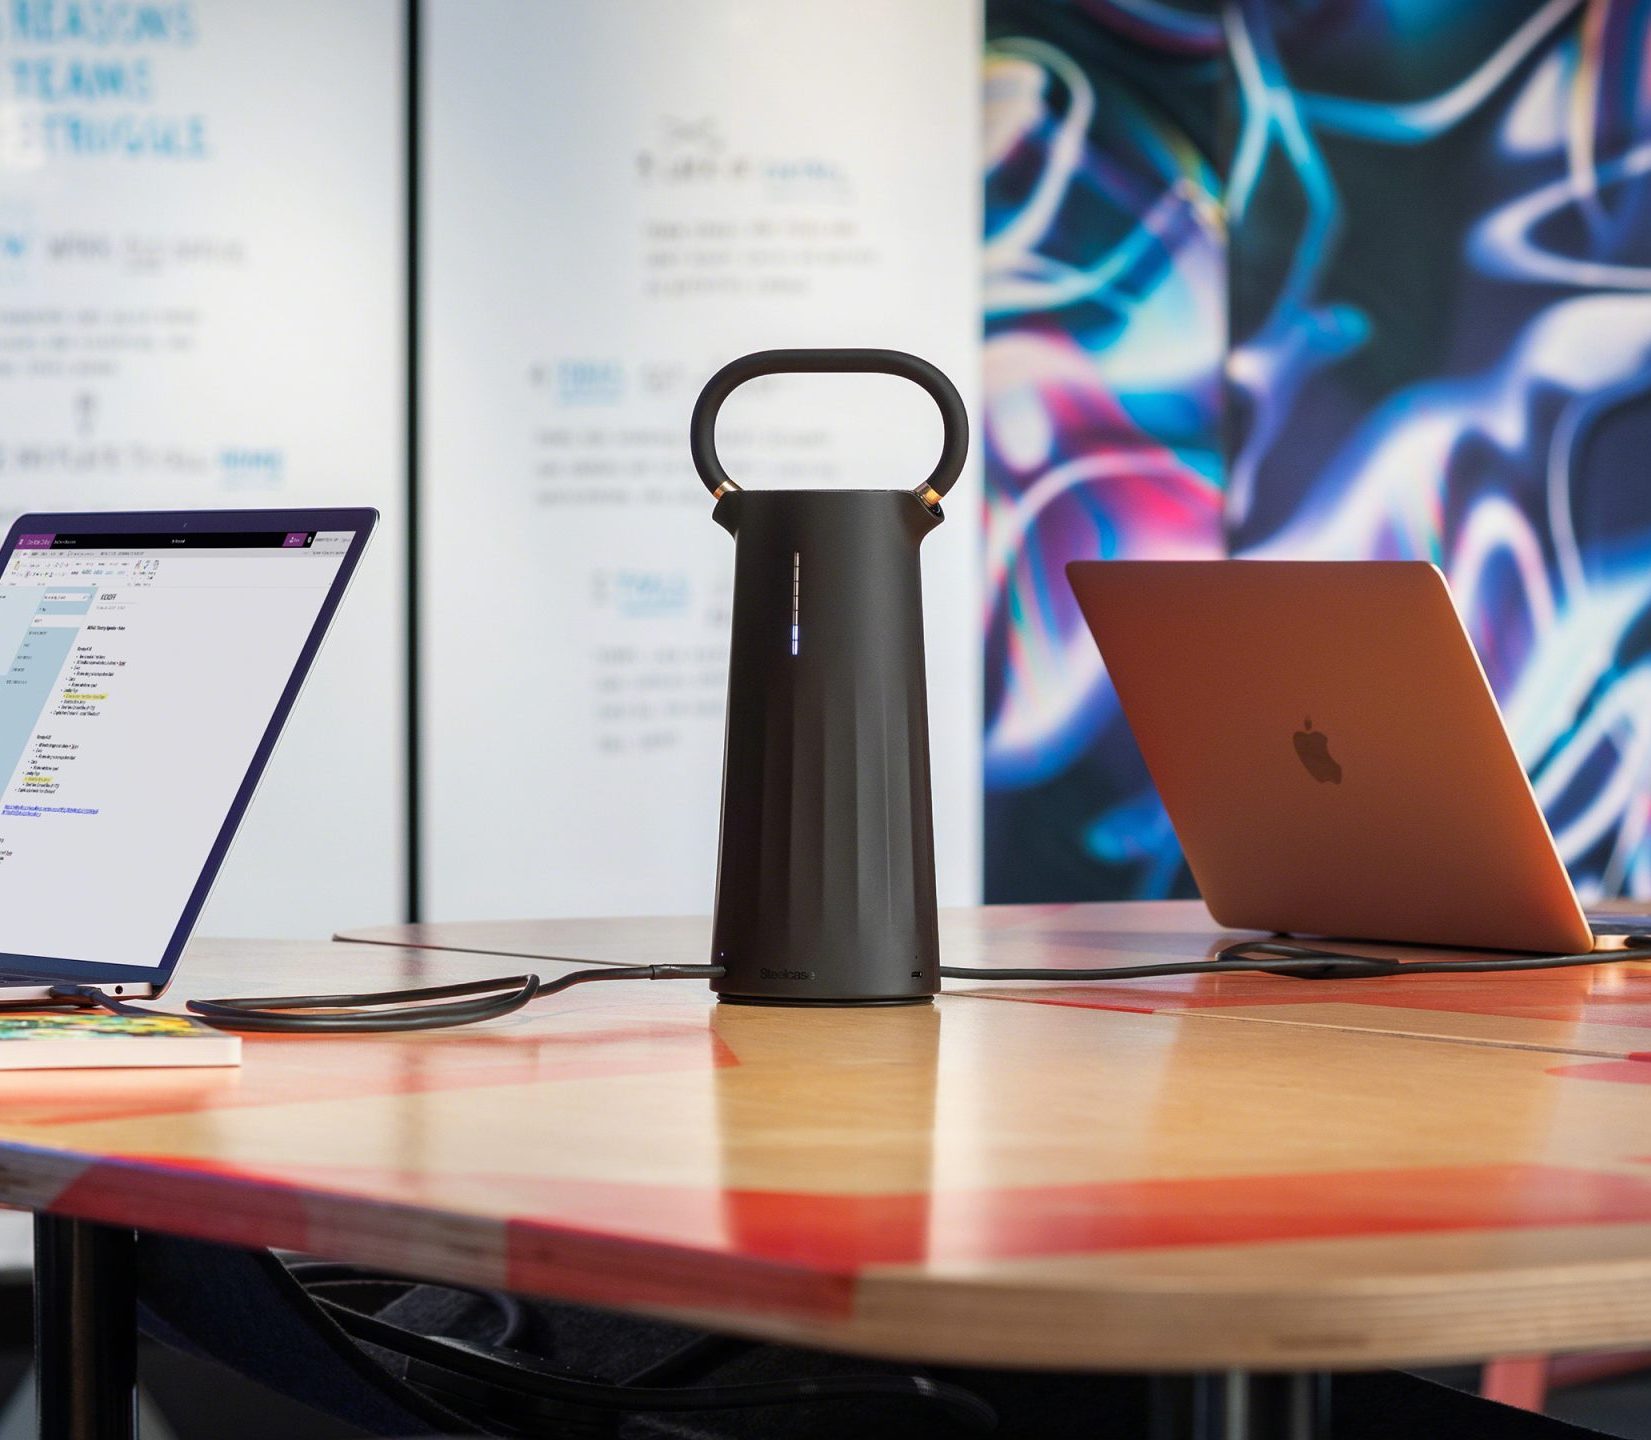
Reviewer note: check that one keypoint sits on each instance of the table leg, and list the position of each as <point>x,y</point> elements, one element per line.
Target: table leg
<point>85,1329</point>
<point>1238,1405</point>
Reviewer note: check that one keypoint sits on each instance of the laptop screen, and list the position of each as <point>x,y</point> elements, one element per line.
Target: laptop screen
<point>139,674</point>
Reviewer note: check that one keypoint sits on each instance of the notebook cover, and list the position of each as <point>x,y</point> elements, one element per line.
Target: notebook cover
<point>50,1041</point>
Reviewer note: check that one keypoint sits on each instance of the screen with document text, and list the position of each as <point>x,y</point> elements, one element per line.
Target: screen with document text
<point>139,674</point>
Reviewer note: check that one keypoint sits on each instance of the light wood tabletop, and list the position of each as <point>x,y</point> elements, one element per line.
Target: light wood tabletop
<point>1139,1187</point>
<point>1602,1011</point>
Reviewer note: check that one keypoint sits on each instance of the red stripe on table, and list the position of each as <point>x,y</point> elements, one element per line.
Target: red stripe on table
<point>836,1231</point>
<point>1030,1221</point>
<point>186,1197</point>
<point>1626,1003</point>
<point>1632,1071</point>
<point>1090,1002</point>
<point>622,1243</point>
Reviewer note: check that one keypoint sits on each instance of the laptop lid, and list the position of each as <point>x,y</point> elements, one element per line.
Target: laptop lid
<point>148,662</point>
<point>1329,751</point>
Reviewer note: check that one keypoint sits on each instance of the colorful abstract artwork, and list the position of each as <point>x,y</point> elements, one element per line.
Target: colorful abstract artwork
<point>1425,226</point>
<point>1105,298</point>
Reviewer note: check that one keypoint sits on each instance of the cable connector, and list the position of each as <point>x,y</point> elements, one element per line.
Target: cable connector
<point>685,972</point>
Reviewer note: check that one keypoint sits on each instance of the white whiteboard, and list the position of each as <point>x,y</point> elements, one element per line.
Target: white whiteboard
<point>201,280</point>
<point>619,198</point>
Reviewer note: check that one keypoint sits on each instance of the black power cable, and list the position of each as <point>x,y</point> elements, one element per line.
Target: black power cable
<point>320,1274</point>
<point>435,1007</point>
<point>527,1374</point>
<point>1306,962</point>
<point>385,1010</point>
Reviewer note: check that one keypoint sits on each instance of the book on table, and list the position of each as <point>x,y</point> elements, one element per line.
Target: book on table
<point>87,1041</point>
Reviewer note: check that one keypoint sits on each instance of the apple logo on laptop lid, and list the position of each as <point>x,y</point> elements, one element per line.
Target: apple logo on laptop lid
<point>1313,750</point>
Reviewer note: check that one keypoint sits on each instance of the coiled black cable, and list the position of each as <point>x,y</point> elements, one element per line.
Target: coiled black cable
<point>527,1374</point>
<point>1308,962</point>
<point>379,1011</point>
<point>435,1007</point>
<point>319,1274</point>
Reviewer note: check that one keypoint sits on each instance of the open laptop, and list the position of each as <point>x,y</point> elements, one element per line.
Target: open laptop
<point>1330,753</point>
<point>147,664</point>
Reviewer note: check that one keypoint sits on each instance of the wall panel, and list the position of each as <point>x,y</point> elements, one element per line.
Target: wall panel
<point>201,276</point>
<point>618,198</point>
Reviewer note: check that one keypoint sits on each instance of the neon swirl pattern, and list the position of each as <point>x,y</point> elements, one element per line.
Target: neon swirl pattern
<point>1427,227</point>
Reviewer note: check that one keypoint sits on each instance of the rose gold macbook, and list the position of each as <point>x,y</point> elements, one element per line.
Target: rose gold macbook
<point>1329,751</point>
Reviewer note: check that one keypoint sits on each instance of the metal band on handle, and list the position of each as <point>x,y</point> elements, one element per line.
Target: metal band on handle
<point>954,444</point>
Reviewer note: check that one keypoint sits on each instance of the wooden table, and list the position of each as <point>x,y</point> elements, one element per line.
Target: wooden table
<point>1188,1176</point>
